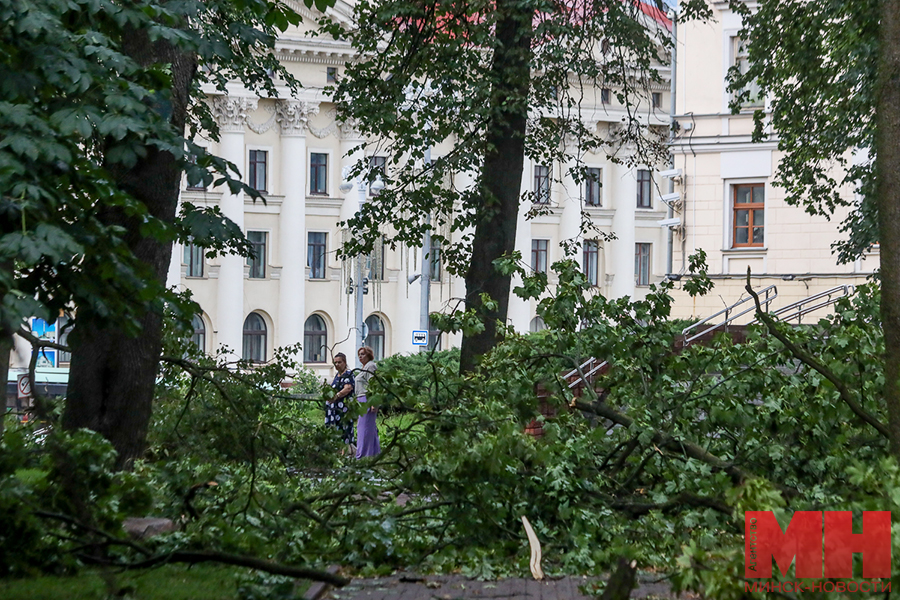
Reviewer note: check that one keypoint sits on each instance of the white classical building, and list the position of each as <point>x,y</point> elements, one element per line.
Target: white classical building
<point>292,150</point>
<point>729,206</point>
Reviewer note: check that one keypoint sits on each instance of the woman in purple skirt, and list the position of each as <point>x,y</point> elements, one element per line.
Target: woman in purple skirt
<point>367,443</point>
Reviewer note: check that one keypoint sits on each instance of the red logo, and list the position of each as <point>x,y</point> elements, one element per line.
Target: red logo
<point>805,539</point>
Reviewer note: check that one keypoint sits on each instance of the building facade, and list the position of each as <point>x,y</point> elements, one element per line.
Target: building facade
<point>728,205</point>
<point>293,151</point>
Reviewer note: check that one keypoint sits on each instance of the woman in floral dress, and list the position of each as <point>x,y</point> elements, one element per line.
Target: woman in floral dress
<point>337,407</point>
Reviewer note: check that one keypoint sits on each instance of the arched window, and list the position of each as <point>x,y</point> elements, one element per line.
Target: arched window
<point>315,340</point>
<point>254,338</point>
<point>199,337</point>
<point>537,324</point>
<point>375,338</point>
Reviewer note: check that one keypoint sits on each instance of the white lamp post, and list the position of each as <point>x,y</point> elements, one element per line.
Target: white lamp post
<point>345,188</point>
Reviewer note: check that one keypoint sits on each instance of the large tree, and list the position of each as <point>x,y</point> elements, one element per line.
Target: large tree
<point>501,79</point>
<point>832,73</point>
<point>95,100</point>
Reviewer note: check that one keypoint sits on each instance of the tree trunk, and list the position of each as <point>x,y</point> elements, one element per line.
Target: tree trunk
<point>501,177</point>
<point>6,347</point>
<point>112,375</point>
<point>887,173</point>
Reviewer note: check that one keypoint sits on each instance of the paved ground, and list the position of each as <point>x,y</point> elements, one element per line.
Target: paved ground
<point>457,587</point>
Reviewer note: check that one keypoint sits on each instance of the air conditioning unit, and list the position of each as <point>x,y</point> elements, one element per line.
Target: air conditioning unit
<point>670,173</point>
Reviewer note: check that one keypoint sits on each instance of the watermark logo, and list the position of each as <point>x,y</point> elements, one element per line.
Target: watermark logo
<point>819,551</point>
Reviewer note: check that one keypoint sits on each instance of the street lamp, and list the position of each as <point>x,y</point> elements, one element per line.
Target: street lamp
<point>345,188</point>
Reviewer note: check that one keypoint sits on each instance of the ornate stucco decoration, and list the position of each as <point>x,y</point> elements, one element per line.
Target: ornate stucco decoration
<point>293,116</point>
<point>332,127</point>
<point>350,130</point>
<point>263,127</point>
<point>232,112</point>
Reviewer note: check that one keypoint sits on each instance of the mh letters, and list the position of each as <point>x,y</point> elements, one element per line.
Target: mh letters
<point>805,539</point>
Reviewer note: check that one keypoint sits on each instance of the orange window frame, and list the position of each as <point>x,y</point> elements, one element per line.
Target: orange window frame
<point>749,207</point>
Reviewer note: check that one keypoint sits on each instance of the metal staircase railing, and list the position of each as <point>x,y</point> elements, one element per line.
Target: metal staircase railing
<point>589,368</point>
<point>797,309</point>
<point>766,296</point>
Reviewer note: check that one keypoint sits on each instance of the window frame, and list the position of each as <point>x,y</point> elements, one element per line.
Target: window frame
<point>737,55</point>
<point>656,99</point>
<point>751,208</point>
<point>591,249</point>
<point>593,184</point>
<point>436,271</point>
<point>378,346</point>
<point>194,256</point>
<point>253,173</point>
<point>541,184</point>
<point>262,259</point>
<point>331,75</point>
<point>605,96</point>
<point>538,252</point>
<point>309,333</point>
<point>201,332</point>
<point>261,335</point>
<point>642,268</point>
<point>644,197</point>
<point>372,257</point>
<point>314,169</point>
<point>192,158</point>
<point>310,256</point>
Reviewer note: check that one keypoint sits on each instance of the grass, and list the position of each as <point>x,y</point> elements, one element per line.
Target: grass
<point>171,582</point>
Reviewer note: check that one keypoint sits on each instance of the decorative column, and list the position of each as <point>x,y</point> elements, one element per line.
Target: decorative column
<point>231,114</point>
<point>624,181</point>
<point>519,314</point>
<point>293,119</point>
<point>571,203</point>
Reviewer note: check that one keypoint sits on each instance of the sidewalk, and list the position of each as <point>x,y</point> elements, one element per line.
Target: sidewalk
<point>456,587</point>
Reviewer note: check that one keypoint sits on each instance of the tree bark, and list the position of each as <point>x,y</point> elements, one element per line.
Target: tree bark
<point>6,347</point>
<point>887,173</point>
<point>501,177</point>
<point>112,375</point>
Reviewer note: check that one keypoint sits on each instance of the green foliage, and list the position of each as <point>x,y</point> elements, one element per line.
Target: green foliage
<point>656,460</point>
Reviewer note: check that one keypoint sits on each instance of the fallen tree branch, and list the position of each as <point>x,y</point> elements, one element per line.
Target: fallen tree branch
<point>662,440</point>
<point>195,557</point>
<point>809,360</point>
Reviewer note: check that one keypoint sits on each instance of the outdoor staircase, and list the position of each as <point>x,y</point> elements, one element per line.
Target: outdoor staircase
<point>702,332</point>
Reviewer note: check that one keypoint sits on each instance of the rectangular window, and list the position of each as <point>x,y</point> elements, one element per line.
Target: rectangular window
<point>642,264</point>
<point>375,262</point>
<point>541,184</point>
<point>742,62</point>
<point>590,261</point>
<point>605,96</point>
<point>657,99</point>
<point>257,262</point>
<point>435,260</point>
<point>378,166</point>
<point>749,202</point>
<point>193,258</point>
<point>315,254</point>
<point>318,173</point>
<point>644,189</point>
<point>258,160</point>
<point>539,256</point>
<point>199,186</point>
<point>592,187</point>
<point>331,75</point>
